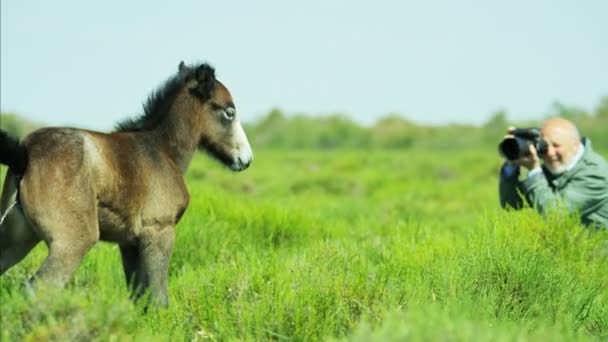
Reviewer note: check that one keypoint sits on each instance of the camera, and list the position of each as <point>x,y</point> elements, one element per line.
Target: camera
<point>518,146</point>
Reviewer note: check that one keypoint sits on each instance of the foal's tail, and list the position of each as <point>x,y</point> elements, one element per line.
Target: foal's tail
<point>12,153</point>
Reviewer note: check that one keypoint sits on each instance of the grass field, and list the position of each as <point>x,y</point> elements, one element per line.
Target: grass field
<point>357,245</point>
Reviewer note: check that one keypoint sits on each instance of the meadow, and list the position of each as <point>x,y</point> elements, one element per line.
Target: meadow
<point>341,245</point>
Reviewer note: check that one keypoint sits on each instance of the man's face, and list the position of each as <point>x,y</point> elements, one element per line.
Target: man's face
<point>562,148</point>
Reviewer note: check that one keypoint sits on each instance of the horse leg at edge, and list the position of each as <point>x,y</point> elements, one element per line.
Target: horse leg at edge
<point>16,239</point>
<point>15,253</point>
<point>16,236</point>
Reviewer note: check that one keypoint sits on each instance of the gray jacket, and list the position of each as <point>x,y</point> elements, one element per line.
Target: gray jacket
<point>584,189</point>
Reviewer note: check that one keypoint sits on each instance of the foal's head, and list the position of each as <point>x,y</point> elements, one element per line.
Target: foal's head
<point>215,116</point>
<point>196,109</point>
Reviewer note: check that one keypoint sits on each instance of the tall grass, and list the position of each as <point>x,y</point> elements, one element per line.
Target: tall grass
<point>341,245</point>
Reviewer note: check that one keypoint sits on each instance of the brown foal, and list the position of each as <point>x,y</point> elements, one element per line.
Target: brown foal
<point>71,187</point>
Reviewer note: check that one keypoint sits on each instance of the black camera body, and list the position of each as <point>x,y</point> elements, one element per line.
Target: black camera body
<point>518,146</point>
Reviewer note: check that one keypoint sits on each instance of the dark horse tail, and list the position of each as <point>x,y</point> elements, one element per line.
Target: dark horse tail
<point>12,153</point>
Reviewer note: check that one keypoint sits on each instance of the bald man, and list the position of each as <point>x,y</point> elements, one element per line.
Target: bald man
<point>571,176</point>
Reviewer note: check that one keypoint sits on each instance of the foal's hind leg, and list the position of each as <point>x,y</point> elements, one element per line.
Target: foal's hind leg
<point>64,215</point>
<point>69,238</point>
<point>67,248</point>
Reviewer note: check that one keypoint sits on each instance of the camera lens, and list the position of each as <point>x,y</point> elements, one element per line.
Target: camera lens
<point>514,148</point>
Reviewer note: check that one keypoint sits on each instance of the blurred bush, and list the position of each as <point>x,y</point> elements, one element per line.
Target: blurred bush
<point>17,125</point>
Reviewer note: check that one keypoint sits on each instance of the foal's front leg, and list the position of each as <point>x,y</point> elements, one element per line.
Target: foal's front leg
<point>146,265</point>
<point>134,274</point>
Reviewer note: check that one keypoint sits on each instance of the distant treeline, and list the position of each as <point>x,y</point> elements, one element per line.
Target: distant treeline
<point>280,130</point>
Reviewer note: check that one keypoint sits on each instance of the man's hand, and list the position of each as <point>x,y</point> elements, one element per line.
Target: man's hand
<point>531,161</point>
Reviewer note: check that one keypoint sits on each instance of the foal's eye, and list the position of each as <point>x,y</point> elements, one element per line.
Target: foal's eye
<point>229,113</point>
<point>215,106</point>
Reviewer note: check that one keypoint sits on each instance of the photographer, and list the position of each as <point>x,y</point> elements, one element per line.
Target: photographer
<point>572,174</point>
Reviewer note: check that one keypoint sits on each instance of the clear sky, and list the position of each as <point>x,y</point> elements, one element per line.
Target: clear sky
<point>92,63</point>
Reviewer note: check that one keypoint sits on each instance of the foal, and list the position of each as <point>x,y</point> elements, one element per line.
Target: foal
<point>72,187</point>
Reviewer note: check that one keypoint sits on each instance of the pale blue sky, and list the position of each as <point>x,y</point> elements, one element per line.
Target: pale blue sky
<point>90,64</point>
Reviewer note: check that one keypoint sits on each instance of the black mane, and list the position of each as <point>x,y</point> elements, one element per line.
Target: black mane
<point>157,105</point>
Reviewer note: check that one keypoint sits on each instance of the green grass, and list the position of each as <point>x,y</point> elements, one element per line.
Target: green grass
<point>341,245</point>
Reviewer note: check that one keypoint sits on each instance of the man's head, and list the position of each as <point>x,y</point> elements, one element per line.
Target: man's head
<point>563,140</point>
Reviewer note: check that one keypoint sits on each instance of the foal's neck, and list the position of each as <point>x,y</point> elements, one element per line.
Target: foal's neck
<point>179,140</point>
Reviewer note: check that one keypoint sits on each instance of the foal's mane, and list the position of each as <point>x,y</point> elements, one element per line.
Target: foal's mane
<point>159,101</point>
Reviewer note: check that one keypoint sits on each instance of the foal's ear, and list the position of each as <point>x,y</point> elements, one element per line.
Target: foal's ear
<point>181,68</point>
<point>205,77</point>
<point>205,74</point>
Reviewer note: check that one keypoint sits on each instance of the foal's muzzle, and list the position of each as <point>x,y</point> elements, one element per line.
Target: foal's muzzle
<point>240,165</point>
<point>242,155</point>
